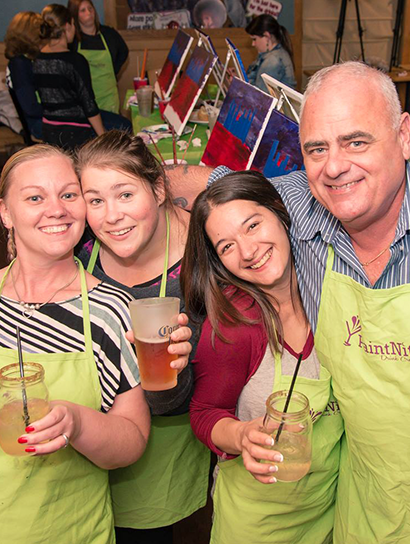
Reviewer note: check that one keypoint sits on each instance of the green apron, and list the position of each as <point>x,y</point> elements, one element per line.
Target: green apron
<point>62,497</point>
<point>170,481</point>
<point>102,77</point>
<point>361,339</point>
<point>246,511</point>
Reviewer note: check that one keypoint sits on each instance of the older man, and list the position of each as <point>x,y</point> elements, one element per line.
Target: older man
<point>350,232</point>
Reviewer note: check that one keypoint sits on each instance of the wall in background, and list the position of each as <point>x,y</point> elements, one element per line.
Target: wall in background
<point>10,7</point>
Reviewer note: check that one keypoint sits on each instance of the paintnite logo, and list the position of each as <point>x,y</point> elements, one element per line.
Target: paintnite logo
<point>389,350</point>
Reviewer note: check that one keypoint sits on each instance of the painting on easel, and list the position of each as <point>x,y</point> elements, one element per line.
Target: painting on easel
<point>188,88</point>
<point>173,64</point>
<point>278,152</point>
<point>243,116</point>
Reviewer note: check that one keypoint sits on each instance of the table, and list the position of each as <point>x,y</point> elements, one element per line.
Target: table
<point>193,155</point>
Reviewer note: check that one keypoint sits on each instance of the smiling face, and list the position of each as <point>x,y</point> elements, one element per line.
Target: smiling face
<point>354,159</point>
<point>45,207</point>
<point>122,210</point>
<point>86,16</point>
<point>251,243</point>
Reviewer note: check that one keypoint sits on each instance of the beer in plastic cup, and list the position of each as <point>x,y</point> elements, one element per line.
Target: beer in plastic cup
<point>153,320</point>
<point>145,97</point>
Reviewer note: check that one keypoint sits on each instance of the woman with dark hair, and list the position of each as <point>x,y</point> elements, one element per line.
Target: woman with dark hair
<point>22,45</point>
<point>137,242</point>
<point>106,53</point>
<point>274,47</point>
<point>243,289</point>
<point>70,113</point>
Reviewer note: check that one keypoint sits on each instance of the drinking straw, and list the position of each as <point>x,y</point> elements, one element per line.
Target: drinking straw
<point>189,142</point>
<point>138,64</point>
<point>174,146</point>
<point>156,147</point>
<point>23,389</point>
<point>144,62</point>
<point>292,385</point>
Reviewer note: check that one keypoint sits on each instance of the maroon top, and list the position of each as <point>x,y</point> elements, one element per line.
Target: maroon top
<point>222,371</point>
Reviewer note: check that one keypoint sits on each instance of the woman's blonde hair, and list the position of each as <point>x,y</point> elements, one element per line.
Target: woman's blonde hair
<point>27,154</point>
<point>23,35</point>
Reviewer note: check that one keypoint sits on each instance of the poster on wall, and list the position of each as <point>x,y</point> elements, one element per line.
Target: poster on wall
<point>257,7</point>
<point>173,64</point>
<point>188,88</point>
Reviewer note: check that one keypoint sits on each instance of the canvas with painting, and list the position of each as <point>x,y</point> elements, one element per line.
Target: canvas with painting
<point>173,64</point>
<point>188,88</point>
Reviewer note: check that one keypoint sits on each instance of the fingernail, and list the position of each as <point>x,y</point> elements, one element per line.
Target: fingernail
<point>30,450</point>
<point>273,480</point>
<point>273,468</point>
<point>278,457</point>
<point>29,429</point>
<point>269,441</point>
<point>22,441</point>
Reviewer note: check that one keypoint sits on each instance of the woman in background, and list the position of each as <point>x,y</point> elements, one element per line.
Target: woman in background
<point>106,53</point>
<point>22,45</point>
<point>275,57</point>
<point>239,280</point>
<point>138,239</point>
<point>71,115</point>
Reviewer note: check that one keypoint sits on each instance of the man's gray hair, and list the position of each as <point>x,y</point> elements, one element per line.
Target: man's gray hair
<point>358,70</point>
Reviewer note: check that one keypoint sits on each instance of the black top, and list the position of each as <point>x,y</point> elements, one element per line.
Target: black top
<point>63,81</point>
<point>116,45</point>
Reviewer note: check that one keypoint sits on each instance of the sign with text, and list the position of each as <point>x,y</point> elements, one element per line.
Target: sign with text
<point>257,7</point>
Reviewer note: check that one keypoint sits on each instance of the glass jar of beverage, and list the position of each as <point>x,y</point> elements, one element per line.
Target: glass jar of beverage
<point>22,401</point>
<point>292,433</point>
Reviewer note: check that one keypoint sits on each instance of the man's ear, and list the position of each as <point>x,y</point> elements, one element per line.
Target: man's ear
<point>404,135</point>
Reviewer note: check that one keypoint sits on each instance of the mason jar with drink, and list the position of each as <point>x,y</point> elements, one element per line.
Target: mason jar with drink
<point>22,400</point>
<point>292,433</point>
<point>153,321</point>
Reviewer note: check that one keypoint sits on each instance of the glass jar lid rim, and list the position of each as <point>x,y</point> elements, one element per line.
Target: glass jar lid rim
<point>32,373</point>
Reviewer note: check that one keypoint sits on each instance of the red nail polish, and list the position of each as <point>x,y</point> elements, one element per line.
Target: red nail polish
<point>30,450</point>
<point>22,441</point>
<point>30,429</point>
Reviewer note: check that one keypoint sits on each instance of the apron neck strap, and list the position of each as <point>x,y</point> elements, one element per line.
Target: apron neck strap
<point>86,309</point>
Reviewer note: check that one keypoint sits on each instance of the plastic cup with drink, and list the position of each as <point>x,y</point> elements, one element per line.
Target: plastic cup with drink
<point>153,321</point>
<point>140,82</point>
<point>145,97</point>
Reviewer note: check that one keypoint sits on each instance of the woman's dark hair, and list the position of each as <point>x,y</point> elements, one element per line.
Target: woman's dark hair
<point>74,8</point>
<point>266,23</point>
<point>204,279</point>
<point>55,17</point>
<point>120,151</point>
<point>23,35</point>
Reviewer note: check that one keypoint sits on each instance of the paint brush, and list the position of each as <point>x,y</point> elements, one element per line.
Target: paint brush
<point>174,146</point>
<point>157,149</point>
<point>144,62</point>
<point>189,143</point>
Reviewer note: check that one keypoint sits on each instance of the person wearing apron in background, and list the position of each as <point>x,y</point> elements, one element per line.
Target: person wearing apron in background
<point>137,243</point>
<point>245,281</point>
<point>74,326</point>
<point>106,53</point>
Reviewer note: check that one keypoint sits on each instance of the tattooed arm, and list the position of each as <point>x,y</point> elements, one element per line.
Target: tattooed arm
<point>186,182</point>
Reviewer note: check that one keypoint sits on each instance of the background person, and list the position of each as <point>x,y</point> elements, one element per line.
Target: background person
<point>106,53</point>
<point>137,244</point>
<point>74,326</point>
<point>22,45</point>
<point>62,78</point>
<point>274,47</point>
<point>245,283</point>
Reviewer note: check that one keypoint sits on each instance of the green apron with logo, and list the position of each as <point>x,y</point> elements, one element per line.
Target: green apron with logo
<point>170,481</point>
<point>247,511</point>
<point>363,340</point>
<point>62,497</point>
<point>102,77</point>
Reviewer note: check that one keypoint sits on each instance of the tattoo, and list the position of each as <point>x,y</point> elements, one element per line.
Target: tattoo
<point>170,166</point>
<point>186,169</point>
<point>180,201</point>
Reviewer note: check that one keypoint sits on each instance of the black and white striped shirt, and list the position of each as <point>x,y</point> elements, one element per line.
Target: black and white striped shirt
<point>58,328</point>
<point>314,228</point>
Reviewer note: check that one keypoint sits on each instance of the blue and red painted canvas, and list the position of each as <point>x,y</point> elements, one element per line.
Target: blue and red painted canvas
<point>243,115</point>
<point>173,64</point>
<point>278,152</point>
<point>188,88</point>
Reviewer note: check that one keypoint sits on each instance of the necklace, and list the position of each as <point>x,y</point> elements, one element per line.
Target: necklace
<point>28,308</point>
<point>374,258</point>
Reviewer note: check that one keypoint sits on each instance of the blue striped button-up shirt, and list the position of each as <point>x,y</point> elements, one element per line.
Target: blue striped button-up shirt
<point>314,228</point>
